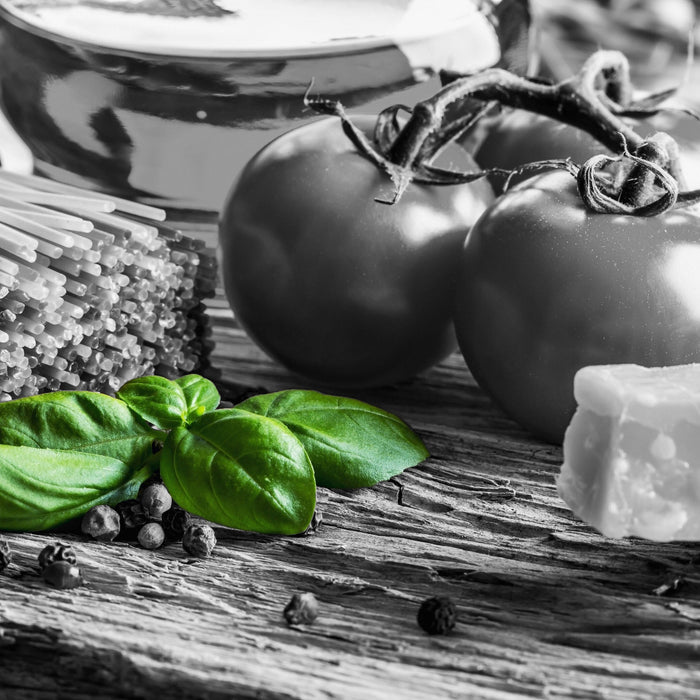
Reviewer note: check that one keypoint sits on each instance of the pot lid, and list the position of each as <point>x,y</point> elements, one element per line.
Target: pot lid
<point>447,34</point>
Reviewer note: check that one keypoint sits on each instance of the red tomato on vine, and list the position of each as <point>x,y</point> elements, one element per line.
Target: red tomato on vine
<point>339,287</point>
<point>519,138</point>
<point>548,286</point>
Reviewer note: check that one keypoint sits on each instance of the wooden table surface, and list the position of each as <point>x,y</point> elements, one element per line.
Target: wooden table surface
<point>547,607</point>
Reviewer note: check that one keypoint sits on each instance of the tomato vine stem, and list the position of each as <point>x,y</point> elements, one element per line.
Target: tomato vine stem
<point>588,100</point>
<point>597,99</point>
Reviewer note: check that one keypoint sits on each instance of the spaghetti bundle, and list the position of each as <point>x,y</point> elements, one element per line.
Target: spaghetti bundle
<point>95,290</point>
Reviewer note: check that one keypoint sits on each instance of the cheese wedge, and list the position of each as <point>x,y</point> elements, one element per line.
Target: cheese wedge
<point>632,451</point>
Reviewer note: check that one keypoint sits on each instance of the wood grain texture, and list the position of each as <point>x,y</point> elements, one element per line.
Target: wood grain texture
<point>547,607</point>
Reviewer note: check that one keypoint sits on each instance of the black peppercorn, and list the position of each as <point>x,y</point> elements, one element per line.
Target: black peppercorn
<point>56,552</point>
<point>199,540</point>
<point>5,554</point>
<point>302,608</point>
<point>131,517</point>
<point>155,500</point>
<point>153,479</point>
<point>437,615</point>
<point>175,521</point>
<point>151,536</point>
<point>62,574</point>
<point>101,523</point>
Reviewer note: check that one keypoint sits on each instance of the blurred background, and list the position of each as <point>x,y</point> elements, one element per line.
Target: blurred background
<point>657,36</point>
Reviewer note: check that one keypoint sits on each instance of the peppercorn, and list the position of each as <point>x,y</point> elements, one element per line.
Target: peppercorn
<point>437,615</point>
<point>302,608</point>
<point>5,554</point>
<point>153,479</point>
<point>175,521</point>
<point>155,500</point>
<point>101,522</point>
<point>56,552</point>
<point>151,536</point>
<point>131,516</point>
<point>199,540</point>
<point>62,574</point>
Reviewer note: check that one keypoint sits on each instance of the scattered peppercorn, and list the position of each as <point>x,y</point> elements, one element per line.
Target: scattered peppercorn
<point>437,615</point>
<point>199,540</point>
<point>175,521</point>
<point>5,554</point>
<point>151,536</point>
<point>155,500</point>
<point>62,574</point>
<point>56,552</point>
<point>101,522</point>
<point>131,517</point>
<point>301,609</point>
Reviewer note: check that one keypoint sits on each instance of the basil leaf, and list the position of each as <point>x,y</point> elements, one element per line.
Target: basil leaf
<point>350,443</point>
<point>201,395</point>
<point>83,421</point>
<point>241,470</point>
<point>42,488</point>
<point>157,400</point>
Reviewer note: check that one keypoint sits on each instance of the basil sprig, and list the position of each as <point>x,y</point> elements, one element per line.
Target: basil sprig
<point>252,467</point>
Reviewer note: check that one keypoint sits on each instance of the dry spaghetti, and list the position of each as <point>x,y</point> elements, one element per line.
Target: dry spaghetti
<point>95,290</point>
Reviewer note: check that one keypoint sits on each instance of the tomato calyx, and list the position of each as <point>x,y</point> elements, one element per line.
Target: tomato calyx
<point>413,162</point>
<point>639,183</point>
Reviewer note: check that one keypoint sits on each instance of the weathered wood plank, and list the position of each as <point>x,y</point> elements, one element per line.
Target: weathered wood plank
<point>548,608</point>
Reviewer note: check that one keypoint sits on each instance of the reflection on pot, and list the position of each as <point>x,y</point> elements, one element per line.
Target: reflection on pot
<point>169,121</point>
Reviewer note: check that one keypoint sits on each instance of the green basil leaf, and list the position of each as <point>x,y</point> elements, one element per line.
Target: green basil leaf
<point>157,400</point>
<point>350,443</point>
<point>240,470</point>
<point>201,395</point>
<point>83,421</point>
<point>42,488</point>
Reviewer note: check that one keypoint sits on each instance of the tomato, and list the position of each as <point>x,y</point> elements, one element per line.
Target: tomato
<point>519,137</point>
<point>547,287</point>
<point>333,284</point>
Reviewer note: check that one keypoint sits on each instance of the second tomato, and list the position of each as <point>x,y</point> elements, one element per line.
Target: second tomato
<point>547,287</point>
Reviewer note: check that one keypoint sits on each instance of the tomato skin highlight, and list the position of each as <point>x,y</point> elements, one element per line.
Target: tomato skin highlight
<point>547,287</point>
<point>336,286</point>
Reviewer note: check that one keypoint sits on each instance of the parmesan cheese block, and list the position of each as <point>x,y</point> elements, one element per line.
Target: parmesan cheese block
<point>632,451</point>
